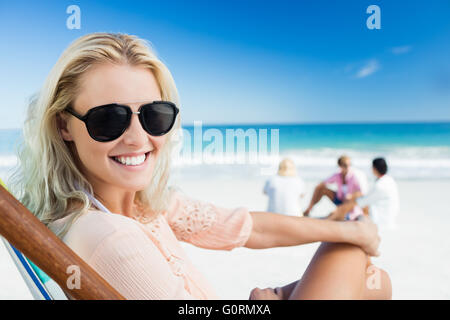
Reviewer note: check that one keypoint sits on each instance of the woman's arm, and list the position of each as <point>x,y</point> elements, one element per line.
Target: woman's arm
<point>276,230</point>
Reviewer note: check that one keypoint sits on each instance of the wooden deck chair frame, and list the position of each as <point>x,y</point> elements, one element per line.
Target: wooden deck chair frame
<point>46,275</point>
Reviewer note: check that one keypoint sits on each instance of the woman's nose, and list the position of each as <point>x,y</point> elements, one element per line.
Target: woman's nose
<point>135,133</point>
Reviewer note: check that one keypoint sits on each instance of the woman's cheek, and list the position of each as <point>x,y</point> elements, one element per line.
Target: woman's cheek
<point>160,142</point>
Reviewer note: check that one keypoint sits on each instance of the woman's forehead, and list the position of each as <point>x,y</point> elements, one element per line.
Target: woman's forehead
<point>110,83</point>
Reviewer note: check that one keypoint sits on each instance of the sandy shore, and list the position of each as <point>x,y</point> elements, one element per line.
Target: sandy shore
<point>416,255</point>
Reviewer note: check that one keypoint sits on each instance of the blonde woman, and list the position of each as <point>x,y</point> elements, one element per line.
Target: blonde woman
<point>94,168</point>
<point>285,189</point>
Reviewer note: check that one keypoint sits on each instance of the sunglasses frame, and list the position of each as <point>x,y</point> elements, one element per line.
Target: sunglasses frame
<point>130,112</point>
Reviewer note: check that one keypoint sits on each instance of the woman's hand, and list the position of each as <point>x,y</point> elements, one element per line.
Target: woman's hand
<point>368,240</point>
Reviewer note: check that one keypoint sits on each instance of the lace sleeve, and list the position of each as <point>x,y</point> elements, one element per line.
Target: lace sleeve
<point>205,225</point>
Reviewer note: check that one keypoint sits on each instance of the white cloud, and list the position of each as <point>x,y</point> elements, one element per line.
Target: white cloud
<point>369,68</point>
<point>401,50</point>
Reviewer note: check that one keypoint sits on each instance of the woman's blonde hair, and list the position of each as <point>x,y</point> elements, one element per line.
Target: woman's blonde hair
<point>287,168</point>
<point>47,180</point>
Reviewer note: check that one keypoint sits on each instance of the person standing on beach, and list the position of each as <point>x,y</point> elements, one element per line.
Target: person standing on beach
<point>285,189</point>
<point>347,184</point>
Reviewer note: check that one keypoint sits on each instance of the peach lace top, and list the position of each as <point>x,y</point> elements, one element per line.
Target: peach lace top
<point>146,260</point>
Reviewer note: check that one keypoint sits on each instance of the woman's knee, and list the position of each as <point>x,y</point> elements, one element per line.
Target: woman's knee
<point>343,258</point>
<point>377,281</point>
<point>342,248</point>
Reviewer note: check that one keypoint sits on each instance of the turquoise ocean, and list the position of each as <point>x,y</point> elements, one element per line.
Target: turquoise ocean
<point>413,150</point>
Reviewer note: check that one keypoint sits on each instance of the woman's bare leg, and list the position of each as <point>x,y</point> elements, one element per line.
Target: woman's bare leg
<point>337,271</point>
<point>378,284</point>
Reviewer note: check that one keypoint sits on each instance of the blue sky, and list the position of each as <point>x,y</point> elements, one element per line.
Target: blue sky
<point>254,61</point>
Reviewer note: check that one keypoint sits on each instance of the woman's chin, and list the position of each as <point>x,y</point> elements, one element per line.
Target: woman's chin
<point>135,186</point>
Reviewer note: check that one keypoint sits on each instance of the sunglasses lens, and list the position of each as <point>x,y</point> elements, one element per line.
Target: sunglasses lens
<point>158,117</point>
<point>107,122</point>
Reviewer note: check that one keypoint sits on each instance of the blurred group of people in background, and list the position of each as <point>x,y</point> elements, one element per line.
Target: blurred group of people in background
<point>347,189</point>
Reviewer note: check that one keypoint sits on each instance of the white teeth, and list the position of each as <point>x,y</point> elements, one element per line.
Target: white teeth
<point>131,161</point>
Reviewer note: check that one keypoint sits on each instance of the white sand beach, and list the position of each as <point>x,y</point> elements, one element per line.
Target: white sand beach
<point>416,255</point>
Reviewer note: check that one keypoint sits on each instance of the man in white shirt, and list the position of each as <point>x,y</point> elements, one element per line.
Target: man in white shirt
<point>382,200</point>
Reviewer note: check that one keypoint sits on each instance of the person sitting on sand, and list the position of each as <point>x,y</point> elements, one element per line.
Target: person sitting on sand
<point>347,183</point>
<point>382,200</point>
<point>94,167</point>
<point>285,189</point>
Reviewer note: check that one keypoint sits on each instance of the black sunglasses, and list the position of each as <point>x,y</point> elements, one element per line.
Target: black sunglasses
<point>108,122</point>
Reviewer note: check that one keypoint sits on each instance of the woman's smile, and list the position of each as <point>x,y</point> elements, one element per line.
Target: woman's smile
<point>133,161</point>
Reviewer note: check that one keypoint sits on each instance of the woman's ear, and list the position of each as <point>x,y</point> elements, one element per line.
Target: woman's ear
<point>61,121</point>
